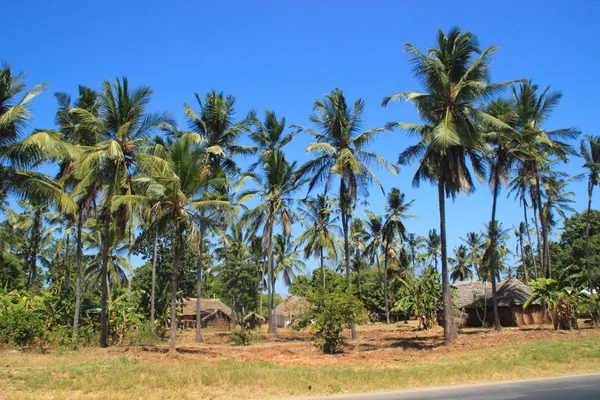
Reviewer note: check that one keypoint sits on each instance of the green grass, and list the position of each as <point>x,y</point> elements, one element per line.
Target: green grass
<point>97,375</point>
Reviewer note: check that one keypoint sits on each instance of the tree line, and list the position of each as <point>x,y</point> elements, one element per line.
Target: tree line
<point>131,181</point>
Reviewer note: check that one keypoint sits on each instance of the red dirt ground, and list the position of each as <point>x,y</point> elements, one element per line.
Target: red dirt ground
<point>377,344</point>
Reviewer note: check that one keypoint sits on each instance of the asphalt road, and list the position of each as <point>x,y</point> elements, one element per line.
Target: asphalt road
<point>581,387</point>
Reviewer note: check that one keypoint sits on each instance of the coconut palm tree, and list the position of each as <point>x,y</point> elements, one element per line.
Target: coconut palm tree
<point>123,126</point>
<point>374,233</point>
<point>495,252</point>
<point>461,271</point>
<point>590,151</point>
<point>320,234</point>
<point>432,243</point>
<point>179,200</point>
<point>455,75</point>
<point>393,227</point>
<point>277,184</point>
<point>538,149</point>
<point>521,249</point>
<point>268,135</point>
<point>414,243</point>
<point>287,260</point>
<point>474,244</point>
<point>76,133</point>
<point>340,149</point>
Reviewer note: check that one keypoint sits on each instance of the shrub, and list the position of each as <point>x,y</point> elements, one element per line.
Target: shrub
<point>330,314</point>
<point>241,336</point>
<point>149,333</point>
<point>21,319</point>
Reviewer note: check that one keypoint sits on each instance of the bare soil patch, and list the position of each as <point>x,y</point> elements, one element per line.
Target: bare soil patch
<point>378,344</point>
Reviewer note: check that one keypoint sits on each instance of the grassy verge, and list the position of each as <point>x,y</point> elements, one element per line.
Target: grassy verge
<point>100,376</point>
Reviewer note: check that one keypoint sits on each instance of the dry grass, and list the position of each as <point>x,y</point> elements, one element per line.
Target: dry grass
<point>130,373</point>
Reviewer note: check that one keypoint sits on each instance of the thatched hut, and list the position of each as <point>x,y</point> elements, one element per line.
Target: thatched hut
<point>474,299</point>
<point>290,308</point>
<point>212,311</point>
<point>253,320</point>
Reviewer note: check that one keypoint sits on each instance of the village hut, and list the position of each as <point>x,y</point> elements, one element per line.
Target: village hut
<point>288,309</point>
<point>474,299</point>
<point>214,314</point>
<point>253,320</point>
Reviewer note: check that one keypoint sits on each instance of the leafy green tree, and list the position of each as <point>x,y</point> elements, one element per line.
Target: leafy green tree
<point>422,297</point>
<point>562,301</point>
<point>455,75</point>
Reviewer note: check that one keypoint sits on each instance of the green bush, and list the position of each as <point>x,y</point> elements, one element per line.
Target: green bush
<point>21,319</point>
<point>241,336</point>
<point>329,315</point>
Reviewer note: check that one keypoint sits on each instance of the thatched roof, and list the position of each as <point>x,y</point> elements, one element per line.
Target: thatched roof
<point>206,306</point>
<point>509,292</point>
<point>254,317</point>
<point>292,306</point>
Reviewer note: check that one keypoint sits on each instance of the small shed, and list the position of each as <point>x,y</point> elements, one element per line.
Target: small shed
<point>290,308</point>
<point>213,313</point>
<point>253,320</point>
<point>474,298</point>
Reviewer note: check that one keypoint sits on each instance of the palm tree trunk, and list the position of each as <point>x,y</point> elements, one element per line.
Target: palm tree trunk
<point>535,269</point>
<point>357,257</point>
<point>78,256</point>
<point>494,229</point>
<point>104,273</point>
<point>538,237</point>
<point>546,249</point>
<point>587,235</point>
<point>385,285</point>
<point>199,338</point>
<point>322,267</point>
<point>153,287</point>
<point>449,328</point>
<point>345,222</point>
<point>174,276</point>
<point>271,277</point>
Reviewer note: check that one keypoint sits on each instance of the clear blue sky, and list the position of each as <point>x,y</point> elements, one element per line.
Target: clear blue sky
<point>282,55</point>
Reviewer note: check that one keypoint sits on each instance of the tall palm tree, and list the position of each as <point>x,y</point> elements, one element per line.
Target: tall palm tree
<point>590,151</point>
<point>520,233</point>
<point>123,126</point>
<point>393,227</point>
<point>461,271</point>
<point>73,132</point>
<point>277,184</point>
<point>374,231</point>
<point>220,134</point>
<point>455,75</point>
<point>268,135</point>
<point>176,189</point>
<point>320,234</point>
<point>538,148</point>
<point>340,150</point>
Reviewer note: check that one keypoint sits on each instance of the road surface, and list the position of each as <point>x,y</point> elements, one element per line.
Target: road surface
<point>580,387</point>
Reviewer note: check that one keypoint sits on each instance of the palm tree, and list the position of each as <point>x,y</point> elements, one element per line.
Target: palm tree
<point>461,271</point>
<point>590,151</point>
<point>432,243</point>
<point>340,150</point>
<point>374,232</point>
<point>520,233</point>
<point>220,134</point>
<point>455,75</point>
<point>277,184</point>
<point>393,227</point>
<point>537,148</point>
<point>268,135</point>
<point>123,125</point>
<point>287,260</point>
<point>320,234</point>
<point>414,243</point>
<point>474,243</point>
<point>73,132</point>
<point>179,201</point>
<point>495,251</point>
<point>18,155</point>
